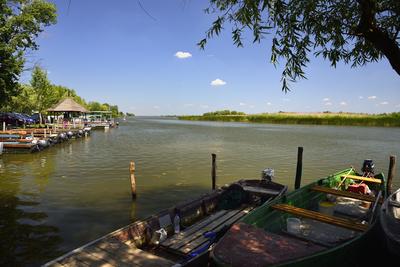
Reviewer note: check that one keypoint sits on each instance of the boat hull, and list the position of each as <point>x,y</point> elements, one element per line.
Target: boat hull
<point>350,253</point>
<point>389,220</point>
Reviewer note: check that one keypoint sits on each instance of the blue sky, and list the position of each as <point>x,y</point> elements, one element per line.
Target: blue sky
<point>112,51</point>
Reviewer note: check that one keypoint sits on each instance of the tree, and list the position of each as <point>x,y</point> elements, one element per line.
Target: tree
<point>43,89</point>
<point>353,31</point>
<point>24,102</point>
<point>21,21</point>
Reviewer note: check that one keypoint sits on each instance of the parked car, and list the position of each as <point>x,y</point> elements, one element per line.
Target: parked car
<point>24,117</point>
<point>11,119</point>
<point>36,118</point>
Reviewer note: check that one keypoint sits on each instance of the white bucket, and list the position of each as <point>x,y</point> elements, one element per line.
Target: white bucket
<point>293,225</point>
<point>326,207</point>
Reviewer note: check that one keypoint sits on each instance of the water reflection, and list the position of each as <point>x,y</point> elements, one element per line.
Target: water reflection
<point>26,238</point>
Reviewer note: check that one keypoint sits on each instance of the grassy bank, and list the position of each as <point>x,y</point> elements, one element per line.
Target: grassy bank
<point>352,119</point>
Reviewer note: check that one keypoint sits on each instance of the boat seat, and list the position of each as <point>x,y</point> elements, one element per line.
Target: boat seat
<point>361,178</point>
<point>321,217</point>
<point>344,193</point>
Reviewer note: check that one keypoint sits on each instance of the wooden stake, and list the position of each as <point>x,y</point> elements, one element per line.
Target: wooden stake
<point>133,179</point>
<point>391,173</point>
<point>299,168</point>
<point>4,126</point>
<point>213,170</point>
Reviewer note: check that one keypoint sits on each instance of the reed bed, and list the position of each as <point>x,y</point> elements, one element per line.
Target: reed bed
<point>351,119</point>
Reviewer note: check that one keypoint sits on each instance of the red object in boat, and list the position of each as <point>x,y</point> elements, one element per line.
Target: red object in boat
<point>358,188</point>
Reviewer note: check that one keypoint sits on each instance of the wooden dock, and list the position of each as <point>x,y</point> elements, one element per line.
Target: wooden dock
<point>36,139</point>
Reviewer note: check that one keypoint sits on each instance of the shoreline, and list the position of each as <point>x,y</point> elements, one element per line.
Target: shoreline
<point>336,119</point>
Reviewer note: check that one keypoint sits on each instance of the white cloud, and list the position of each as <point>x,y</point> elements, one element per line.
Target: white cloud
<point>217,82</point>
<point>188,105</point>
<point>343,103</point>
<point>269,104</point>
<point>328,104</point>
<point>251,106</point>
<point>326,99</point>
<point>384,103</point>
<point>156,107</point>
<point>182,55</point>
<point>286,99</point>
<point>398,106</point>
<point>204,106</point>
<point>372,97</point>
<point>242,104</point>
<point>360,97</point>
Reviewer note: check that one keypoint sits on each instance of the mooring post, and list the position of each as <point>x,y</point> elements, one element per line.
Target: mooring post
<point>133,179</point>
<point>299,167</point>
<point>213,170</point>
<point>391,173</point>
<point>4,126</point>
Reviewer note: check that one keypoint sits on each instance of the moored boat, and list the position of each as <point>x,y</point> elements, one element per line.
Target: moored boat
<point>390,223</point>
<point>330,222</point>
<point>181,235</point>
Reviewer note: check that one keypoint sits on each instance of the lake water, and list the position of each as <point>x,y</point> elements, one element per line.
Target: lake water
<point>65,196</point>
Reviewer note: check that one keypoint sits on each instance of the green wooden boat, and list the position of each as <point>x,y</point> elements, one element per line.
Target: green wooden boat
<point>321,224</point>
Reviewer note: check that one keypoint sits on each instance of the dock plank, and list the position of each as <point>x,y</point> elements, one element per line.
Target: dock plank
<point>73,262</point>
<point>187,248</point>
<point>106,256</point>
<point>129,254</point>
<point>202,230</point>
<point>88,259</point>
<point>192,229</point>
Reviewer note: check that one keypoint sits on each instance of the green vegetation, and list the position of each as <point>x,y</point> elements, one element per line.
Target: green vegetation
<point>224,112</point>
<point>354,32</point>
<point>40,95</point>
<point>353,119</point>
<point>130,114</point>
<point>20,23</point>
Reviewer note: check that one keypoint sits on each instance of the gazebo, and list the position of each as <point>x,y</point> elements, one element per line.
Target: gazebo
<point>69,108</point>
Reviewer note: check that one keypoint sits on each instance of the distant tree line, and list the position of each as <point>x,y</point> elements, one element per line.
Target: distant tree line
<point>224,112</point>
<point>40,94</point>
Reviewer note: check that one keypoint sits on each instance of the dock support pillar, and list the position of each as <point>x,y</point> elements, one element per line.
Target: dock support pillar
<point>391,173</point>
<point>213,170</point>
<point>133,179</point>
<point>299,167</point>
<point>4,126</point>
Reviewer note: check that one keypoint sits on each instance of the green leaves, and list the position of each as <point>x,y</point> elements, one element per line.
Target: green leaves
<point>327,28</point>
<point>21,21</point>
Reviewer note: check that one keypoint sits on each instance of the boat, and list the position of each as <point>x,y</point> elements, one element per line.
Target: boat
<point>325,223</point>
<point>390,223</point>
<point>181,235</point>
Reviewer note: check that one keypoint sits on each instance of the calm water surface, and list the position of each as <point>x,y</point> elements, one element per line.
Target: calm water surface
<point>65,196</point>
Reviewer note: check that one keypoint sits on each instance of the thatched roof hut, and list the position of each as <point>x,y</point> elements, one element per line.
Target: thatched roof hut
<point>68,105</point>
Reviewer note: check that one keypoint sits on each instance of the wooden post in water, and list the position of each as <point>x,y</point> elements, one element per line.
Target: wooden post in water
<point>4,126</point>
<point>299,167</point>
<point>133,179</point>
<point>391,173</point>
<point>213,170</point>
